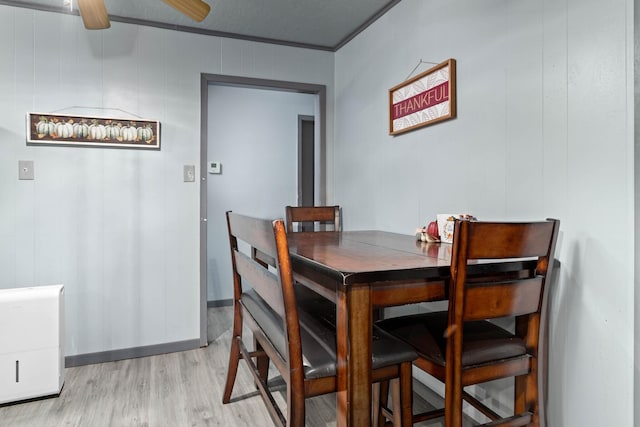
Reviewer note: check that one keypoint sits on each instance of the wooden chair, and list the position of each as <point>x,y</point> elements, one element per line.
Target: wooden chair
<point>462,347</point>
<point>306,217</point>
<point>301,344</point>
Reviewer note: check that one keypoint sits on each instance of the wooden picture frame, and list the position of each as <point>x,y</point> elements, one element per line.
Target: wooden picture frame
<point>427,98</point>
<point>85,131</point>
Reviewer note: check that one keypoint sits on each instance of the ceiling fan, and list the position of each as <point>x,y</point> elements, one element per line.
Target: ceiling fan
<point>95,17</point>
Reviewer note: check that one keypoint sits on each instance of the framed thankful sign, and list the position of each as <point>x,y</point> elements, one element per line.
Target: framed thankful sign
<point>427,98</point>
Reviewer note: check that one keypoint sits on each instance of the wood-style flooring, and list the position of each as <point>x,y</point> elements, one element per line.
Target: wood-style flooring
<point>175,389</point>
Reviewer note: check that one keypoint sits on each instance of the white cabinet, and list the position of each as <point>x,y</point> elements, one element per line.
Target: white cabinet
<point>31,342</point>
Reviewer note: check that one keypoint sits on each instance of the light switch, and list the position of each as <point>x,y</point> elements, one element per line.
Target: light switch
<point>189,173</point>
<point>25,169</point>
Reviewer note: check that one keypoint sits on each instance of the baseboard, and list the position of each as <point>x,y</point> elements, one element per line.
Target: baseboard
<point>220,303</point>
<point>130,353</point>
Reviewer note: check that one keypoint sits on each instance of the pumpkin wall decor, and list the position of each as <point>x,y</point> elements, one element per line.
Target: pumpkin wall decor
<point>84,131</point>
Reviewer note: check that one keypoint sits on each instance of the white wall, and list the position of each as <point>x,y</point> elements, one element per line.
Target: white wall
<point>544,129</point>
<point>253,133</point>
<point>118,228</point>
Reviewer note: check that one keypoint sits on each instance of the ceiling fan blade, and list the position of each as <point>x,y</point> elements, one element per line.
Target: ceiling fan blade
<point>94,14</point>
<point>194,9</point>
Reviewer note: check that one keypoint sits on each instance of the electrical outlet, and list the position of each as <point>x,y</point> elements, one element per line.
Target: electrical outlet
<point>189,173</point>
<point>25,169</point>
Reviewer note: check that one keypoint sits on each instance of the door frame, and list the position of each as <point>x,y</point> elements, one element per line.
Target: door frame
<point>248,82</point>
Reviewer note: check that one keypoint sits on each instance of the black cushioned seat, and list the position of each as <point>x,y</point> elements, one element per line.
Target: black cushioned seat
<point>483,341</point>
<point>317,329</point>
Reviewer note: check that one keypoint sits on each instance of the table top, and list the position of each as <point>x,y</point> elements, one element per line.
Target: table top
<point>353,257</point>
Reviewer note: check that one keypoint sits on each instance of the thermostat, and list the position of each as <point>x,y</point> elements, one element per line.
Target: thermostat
<point>215,167</point>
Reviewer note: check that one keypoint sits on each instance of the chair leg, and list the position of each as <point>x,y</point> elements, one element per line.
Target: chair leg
<point>376,406</point>
<point>295,408</point>
<point>396,401</point>
<point>527,397</point>
<point>380,402</point>
<point>234,352</point>
<point>453,405</point>
<point>403,395</point>
<point>401,399</point>
<point>232,370</point>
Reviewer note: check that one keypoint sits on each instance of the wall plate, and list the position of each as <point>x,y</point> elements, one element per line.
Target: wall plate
<point>25,169</point>
<point>189,173</point>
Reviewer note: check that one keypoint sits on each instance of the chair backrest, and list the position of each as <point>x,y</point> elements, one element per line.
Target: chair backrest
<point>274,287</point>
<point>306,217</point>
<point>481,297</point>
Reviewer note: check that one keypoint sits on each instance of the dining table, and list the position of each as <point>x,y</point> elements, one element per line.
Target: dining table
<point>362,272</point>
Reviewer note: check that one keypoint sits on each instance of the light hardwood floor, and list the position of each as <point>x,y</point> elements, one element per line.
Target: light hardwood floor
<point>176,389</point>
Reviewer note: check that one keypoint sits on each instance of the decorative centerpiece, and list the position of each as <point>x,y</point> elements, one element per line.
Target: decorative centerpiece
<point>429,233</point>
<point>441,230</point>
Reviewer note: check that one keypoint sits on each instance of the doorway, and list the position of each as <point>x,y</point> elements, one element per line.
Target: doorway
<point>319,162</point>
<point>306,164</point>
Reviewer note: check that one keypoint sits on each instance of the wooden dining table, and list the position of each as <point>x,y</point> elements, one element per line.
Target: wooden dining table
<point>362,271</point>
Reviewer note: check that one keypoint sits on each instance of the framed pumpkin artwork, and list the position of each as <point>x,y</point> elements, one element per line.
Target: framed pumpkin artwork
<point>84,131</point>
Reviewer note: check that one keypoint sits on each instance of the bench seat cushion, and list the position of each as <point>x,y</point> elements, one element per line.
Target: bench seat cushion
<point>318,333</point>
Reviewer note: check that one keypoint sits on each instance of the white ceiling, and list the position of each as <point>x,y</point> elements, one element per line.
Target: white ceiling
<point>317,24</point>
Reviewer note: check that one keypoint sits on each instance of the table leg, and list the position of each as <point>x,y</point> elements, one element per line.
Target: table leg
<point>354,324</point>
